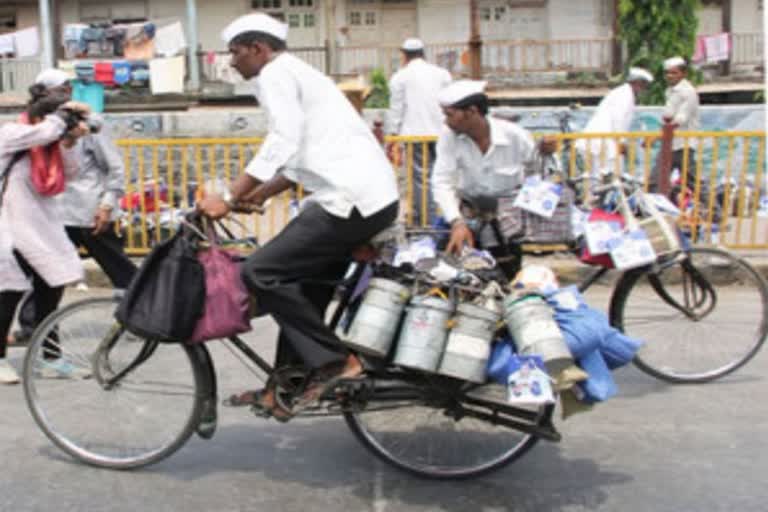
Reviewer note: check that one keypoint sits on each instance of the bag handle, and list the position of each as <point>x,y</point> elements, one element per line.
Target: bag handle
<point>4,176</point>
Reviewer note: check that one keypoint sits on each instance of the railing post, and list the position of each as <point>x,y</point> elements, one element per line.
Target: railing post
<point>475,42</point>
<point>665,157</point>
<point>616,49</point>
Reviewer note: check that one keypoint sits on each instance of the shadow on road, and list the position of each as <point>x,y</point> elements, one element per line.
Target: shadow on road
<point>316,455</point>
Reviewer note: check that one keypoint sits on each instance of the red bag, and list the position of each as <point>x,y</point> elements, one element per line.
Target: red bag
<point>603,260</point>
<point>46,167</point>
<point>227,302</point>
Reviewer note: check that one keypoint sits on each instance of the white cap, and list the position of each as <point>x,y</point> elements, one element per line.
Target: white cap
<point>52,78</point>
<point>258,22</point>
<point>636,74</point>
<point>412,44</point>
<point>460,90</point>
<point>674,62</point>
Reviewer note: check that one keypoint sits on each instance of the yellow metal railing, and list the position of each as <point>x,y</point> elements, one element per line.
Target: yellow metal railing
<point>729,180</point>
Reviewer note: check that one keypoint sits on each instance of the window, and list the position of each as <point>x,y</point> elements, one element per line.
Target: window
<point>498,13</point>
<point>370,18</point>
<point>485,13</point>
<point>110,11</point>
<point>294,20</point>
<point>266,4</point>
<point>7,21</point>
<point>301,3</point>
<point>309,20</point>
<point>355,18</point>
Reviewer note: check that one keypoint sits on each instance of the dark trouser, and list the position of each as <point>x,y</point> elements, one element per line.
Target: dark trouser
<point>46,300</point>
<point>106,248</point>
<point>315,246</point>
<point>678,159</point>
<point>421,185</point>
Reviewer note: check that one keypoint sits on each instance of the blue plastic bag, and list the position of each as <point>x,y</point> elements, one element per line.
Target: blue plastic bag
<point>600,385</point>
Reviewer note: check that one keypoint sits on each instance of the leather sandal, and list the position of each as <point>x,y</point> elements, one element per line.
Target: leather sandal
<point>256,400</point>
<point>324,381</point>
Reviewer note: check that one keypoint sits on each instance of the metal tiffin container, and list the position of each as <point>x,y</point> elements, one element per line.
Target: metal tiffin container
<point>375,325</point>
<point>532,325</point>
<point>423,336</point>
<point>469,343</point>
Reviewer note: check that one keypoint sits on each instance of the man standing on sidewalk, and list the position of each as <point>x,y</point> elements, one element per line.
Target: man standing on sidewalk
<point>682,110</point>
<point>613,115</point>
<point>414,111</point>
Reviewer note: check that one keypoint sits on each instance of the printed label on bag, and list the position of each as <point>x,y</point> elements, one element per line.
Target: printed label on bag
<point>529,384</point>
<point>634,250</point>
<point>602,236</point>
<point>539,197</point>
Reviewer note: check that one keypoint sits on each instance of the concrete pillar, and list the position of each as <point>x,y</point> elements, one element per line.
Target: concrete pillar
<point>194,62</point>
<point>46,35</point>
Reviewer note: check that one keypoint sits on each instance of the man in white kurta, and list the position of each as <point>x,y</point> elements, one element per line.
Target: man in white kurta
<point>414,111</point>
<point>318,140</point>
<point>613,115</point>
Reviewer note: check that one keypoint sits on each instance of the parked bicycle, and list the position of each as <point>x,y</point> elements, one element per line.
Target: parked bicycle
<point>702,312</point>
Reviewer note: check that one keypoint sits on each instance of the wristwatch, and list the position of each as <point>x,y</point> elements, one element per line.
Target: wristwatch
<point>227,197</point>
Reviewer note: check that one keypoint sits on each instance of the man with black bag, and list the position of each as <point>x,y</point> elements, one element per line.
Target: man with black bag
<point>318,140</point>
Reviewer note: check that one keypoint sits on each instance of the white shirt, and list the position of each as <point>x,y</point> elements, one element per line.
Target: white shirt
<point>413,106</point>
<point>613,115</point>
<point>100,181</point>
<point>461,167</point>
<point>317,139</point>
<point>683,107</point>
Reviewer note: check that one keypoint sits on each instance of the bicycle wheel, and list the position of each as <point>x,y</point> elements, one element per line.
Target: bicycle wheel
<point>702,315</point>
<point>423,439</point>
<point>142,419</point>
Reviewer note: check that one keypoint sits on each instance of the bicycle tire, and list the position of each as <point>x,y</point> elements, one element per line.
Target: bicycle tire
<point>376,443</point>
<point>738,299</point>
<point>104,431</point>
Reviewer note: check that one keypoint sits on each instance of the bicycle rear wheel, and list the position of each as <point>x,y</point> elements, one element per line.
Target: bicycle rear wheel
<point>702,315</point>
<point>143,418</point>
<point>423,438</point>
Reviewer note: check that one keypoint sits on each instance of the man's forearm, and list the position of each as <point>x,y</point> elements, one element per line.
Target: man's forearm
<point>242,187</point>
<point>277,184</point>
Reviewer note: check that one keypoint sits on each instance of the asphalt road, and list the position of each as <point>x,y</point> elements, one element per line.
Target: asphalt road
<point>655,447</point>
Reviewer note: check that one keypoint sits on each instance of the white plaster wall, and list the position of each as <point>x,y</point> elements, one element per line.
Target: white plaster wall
<point>443,21</point>
<point>745,16</point>
<point>575,19</point>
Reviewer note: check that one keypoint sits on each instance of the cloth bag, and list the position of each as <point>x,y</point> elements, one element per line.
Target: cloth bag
<point>227,302</point>
<point>166,297</point>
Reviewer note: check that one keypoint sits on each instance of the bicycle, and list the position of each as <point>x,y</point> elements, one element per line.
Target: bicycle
<point>682,290</point>
<point>140,400</point>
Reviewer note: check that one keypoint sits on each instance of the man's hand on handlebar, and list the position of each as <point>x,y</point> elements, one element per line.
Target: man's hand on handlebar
<point>214,206</point>
<point>461,235</point>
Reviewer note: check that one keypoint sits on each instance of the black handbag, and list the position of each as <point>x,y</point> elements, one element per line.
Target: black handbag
<point>166,297</point>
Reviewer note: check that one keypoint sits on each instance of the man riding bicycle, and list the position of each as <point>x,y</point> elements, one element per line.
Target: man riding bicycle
<point>318,140</point>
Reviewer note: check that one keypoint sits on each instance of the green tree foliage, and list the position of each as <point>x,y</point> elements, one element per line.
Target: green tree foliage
<point>379,97</point>
<point>655,30</point>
